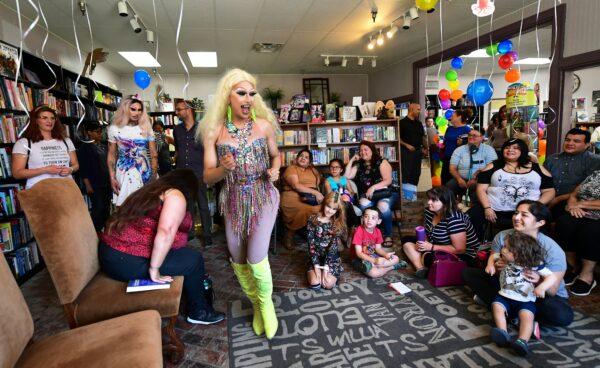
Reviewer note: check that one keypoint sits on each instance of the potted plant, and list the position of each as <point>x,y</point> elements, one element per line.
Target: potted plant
<point>273,95</point>
<point>335,97</point>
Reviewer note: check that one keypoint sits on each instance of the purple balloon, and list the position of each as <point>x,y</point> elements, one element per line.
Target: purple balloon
<point>445,104</point>
<point>514,55</point>
<point>541,124</point>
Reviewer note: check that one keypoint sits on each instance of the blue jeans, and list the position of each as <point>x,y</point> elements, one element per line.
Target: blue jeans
<point>386,215</point>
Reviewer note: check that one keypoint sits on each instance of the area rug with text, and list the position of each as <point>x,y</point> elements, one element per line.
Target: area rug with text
<point>365,323</point>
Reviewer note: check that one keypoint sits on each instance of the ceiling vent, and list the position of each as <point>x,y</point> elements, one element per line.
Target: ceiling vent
<point>267,47</point>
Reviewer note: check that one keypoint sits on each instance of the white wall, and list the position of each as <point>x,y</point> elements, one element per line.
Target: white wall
<point>57,49</point>
<point>580,37</point>
<point>347,85</point>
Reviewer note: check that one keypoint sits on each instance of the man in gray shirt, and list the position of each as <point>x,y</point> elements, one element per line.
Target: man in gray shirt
<point>570,167</point>
<point>190,155</point>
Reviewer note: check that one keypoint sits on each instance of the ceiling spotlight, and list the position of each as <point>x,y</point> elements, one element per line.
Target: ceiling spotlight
<point>149,36</point>
<point>380,39</point>
<point>327,61</point>
<point>82,7</point>
<point>360,61</point>
<point>373,11</point>
<point>344,62</point>
<point>406,24</point>
<point>374,62</point>
<point>392,31</point>
<point>371,44</point>
<point>135,24</point>
<point>122,6</point>
<point>414,13</point>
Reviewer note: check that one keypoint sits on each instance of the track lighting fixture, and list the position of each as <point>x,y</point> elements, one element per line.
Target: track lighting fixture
<point>360,61</point>
<point>344,62</point>
<point>343,59</point>
<point>380,39</point>
<point>135,24</point>
<point>327,61</point>
<point>122,6</point>
<point>371,44</point>
<point>392,31</point>
<point>414,13</point>
<point>406,24</point>
<point>373,62</point>
<point>149,36</point>
<point>82,7</point>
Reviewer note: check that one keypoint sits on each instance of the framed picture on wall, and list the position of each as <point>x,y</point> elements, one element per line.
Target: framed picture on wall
<point>596,98</point>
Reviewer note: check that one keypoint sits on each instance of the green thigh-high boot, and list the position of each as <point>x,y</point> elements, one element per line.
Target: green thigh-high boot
<point>264,284</point>
<point>244,275</point>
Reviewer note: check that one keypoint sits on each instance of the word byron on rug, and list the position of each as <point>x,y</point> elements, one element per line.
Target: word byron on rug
<point>367,324</point>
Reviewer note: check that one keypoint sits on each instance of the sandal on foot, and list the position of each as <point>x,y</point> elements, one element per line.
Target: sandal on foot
<point>500,336</point>
<point>520,347</point>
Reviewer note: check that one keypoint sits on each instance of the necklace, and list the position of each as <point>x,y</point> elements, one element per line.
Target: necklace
<point>241,136</point>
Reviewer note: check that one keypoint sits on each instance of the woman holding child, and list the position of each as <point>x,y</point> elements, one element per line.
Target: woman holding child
<point>448,229</point>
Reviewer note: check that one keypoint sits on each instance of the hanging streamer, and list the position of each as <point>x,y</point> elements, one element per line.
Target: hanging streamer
<point>520,32</point>
<point>442,43</point>
<point>427,103</point>
<point>44,42</point>
<point>187,73</point>
<point>20,57</point>
<point>556,2</point>
<point>161,91</point>
<point>493,53</point>
<point>87,17</point>
<point>78,74</point>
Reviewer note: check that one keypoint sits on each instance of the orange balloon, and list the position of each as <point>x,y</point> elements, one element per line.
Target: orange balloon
<point>436,181</point>
<point>542,147</point>
<point>456,94</point>
<point>512,75</point>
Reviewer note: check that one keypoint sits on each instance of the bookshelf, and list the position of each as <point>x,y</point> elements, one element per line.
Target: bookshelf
<point>38,86</point>
<point>340,139</point>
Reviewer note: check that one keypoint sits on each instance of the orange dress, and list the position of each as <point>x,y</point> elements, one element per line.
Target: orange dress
<point>295,212</point>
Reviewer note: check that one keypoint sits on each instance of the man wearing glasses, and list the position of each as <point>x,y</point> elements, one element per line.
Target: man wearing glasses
<point>190,155</point>
<point>467,161</point>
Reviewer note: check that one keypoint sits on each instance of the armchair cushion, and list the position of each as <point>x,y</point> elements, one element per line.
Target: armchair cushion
<point>63,228</point>
<point>105,298</point>
<point>129,341</point>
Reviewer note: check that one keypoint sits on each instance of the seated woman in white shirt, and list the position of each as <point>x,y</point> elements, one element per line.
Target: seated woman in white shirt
<point>44,151</point>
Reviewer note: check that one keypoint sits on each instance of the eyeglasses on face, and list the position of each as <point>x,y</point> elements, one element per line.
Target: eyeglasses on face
<point>335,167</point>
<point>244,93</point>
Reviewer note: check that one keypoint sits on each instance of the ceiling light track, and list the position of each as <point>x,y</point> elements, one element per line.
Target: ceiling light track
<point>136,22</point>
<point>327,59</point>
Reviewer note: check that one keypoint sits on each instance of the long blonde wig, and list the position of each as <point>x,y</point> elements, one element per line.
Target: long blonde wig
<point>121,117</point>
<point>216,112</point>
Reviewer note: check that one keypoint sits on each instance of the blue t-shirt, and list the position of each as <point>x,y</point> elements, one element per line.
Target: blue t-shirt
<point>462,159</point>
<point>335,186</point>
<point>452,134</point>
<point>555,260</point>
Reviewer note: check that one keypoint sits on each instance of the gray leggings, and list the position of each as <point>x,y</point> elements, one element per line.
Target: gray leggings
<point>255,248</point>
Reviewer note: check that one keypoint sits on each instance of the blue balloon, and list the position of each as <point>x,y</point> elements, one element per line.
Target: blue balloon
<point>457,63</point>
<point>505,46</point>
<point>142,78</point>
<point>480,91</point>
<point>448,114</point>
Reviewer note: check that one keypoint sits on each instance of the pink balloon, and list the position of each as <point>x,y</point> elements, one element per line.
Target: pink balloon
<point>445,104</point>
<point>541,124</point>
<point>514,55</point>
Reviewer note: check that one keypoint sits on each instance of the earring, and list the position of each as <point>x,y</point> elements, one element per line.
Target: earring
<point>228,113</point>
<point>253,114</point>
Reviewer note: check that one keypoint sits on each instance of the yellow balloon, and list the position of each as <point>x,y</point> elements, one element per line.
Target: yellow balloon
<point>425,4</point>
<point>453,84</point>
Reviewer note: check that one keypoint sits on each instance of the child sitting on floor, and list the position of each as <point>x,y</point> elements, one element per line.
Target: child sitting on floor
<point>517,295</point>
<point>324,231</point>
<point>368,255</point>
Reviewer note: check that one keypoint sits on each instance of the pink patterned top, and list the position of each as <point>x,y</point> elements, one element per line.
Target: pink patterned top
<point>137,238</point>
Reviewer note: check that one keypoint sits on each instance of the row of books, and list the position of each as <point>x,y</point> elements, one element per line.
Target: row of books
<point>10,127</point>
<point>9,203</point>
<point>14,234</point>
<point>107,98</point>
<point>24,259</point>
<point>343,135</point>
<point>291,137</point>
<point>78,89</point>
<point>5,168</point>
<point>323,156</point>
<point>166,119</point>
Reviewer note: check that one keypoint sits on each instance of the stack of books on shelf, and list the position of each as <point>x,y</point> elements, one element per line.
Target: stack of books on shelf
<point>288,156</point>
<point>9,203</point>
<point>106,98</point>
<point>323,156</point>
<point>11,92</point>
<point>77,89</point>
<point>24,259</point>
<point>14,234</point>
<point>5,168</point>
<point>11,126</point>
<point>295,137</point>
<point>167,119</point>
<point>371,133</point>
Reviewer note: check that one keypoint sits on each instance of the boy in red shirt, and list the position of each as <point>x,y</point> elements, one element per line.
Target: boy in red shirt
<point>367,253</point>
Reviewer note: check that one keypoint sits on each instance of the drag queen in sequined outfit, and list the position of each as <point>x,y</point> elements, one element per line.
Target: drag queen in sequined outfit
<point>238,133</point>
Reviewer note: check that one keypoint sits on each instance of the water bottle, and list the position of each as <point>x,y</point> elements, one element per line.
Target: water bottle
<point>207,288</point>
<point>421,236</point>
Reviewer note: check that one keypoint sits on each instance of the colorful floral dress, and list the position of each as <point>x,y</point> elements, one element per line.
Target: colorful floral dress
<point>323,245</point>
<point>247,188</point>
<point>133,168</point>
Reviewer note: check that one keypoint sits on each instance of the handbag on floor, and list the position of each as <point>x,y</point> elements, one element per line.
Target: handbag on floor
<point>446,269</point>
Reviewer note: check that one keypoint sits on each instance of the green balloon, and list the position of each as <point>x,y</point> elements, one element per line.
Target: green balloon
<point>451,75</point>
<point>492,50</point>
<point>440,121</point>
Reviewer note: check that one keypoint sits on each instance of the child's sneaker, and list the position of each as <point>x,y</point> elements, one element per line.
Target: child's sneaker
<point>520,347</point>
<point>536,331</point>
<point>400,265</point>
<point>500,336</point>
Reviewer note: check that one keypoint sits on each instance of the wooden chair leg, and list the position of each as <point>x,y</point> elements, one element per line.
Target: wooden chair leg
<point>174,348</point>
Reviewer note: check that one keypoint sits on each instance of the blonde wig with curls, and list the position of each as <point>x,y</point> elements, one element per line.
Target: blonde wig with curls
<point>121,117</point>
<point>216,113</point>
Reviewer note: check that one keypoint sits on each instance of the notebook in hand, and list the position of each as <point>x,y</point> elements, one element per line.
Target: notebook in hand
<point>145,285</point>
